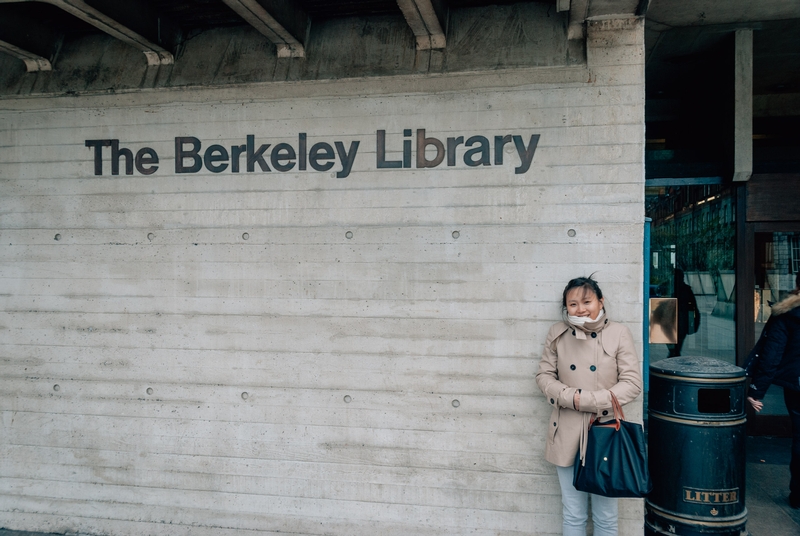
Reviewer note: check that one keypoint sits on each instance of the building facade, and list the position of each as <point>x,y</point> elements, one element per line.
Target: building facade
<point>249,293</point>
<point>287,266</point>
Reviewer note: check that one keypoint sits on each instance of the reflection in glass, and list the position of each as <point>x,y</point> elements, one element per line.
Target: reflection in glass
<point>777,261</point>
<point>692,260</point>
<point>663,320</point>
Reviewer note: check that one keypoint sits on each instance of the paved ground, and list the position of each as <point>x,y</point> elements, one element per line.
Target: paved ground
<point>768,508</point>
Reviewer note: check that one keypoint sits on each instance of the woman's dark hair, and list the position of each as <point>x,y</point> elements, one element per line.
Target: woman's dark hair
<point>586,283</point>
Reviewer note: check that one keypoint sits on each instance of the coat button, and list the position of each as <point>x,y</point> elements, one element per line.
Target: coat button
<point>594,335</point>
<point>552,401</point>
<point>605,412</point>
<point>592,368</point>
<point>606,322</point>
<point>572,367</point>
<point>554,424</point>
<point>573,332</point>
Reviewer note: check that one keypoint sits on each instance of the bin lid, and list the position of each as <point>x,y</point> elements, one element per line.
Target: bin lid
<point>696,367</point>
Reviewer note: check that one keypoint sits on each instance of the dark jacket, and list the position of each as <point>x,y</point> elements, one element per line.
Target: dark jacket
<point>687,303</point>
<point>776,356</point>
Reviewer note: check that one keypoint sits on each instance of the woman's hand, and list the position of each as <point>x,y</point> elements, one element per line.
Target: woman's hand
<point>758,405</point>
<point>576,400</point>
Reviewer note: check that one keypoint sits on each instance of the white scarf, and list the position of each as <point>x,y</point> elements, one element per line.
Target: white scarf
<point>581,320</point>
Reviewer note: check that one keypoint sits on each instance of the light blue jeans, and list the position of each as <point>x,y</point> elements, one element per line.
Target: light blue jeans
<point>576,508</point>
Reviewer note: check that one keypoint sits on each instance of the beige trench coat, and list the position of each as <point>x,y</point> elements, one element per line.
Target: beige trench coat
<point>597,358</point>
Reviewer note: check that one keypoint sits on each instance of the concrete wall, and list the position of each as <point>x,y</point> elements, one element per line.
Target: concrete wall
<point>291,352</point>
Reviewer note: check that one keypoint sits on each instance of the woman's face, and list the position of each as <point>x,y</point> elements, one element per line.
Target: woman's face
<point>582,301</point>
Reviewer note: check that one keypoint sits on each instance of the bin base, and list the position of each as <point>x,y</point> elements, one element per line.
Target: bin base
<point>661,523</point>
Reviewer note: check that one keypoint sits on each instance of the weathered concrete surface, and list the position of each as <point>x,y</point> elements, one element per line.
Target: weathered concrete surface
<point>480,39</point>
<point>225,351</point>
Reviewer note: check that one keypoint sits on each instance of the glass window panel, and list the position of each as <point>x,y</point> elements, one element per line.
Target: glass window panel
<point>692,244</point>
<point>776,256</point>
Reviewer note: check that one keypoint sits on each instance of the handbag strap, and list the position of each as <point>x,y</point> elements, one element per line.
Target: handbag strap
<point>617,406</point>
<point>618,415</point>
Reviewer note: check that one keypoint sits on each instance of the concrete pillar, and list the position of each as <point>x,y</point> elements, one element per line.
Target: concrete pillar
<point>743,106</point>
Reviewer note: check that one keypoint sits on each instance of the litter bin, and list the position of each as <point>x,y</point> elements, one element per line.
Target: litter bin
<point>696,448</point>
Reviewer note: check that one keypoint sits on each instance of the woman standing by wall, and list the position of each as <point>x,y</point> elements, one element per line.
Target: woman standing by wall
<point>586,357</point>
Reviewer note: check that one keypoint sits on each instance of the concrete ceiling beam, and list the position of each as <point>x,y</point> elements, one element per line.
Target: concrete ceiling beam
<point>426,21</point>
<point>606,9</point>
<point>28,40</point>
<point>578,11</point>
<point>259,18</point>
<point>582,10</point>
<point>155,54</point>
<point>32,61</point>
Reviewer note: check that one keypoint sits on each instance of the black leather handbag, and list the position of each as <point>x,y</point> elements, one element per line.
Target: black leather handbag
<point>615,464</point>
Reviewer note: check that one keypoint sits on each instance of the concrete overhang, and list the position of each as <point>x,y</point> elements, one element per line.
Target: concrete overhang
<point>581,11</point>
<point>425,18</point>
<point>32,61</point>
<point>155,54</point>
<point>256,13</point>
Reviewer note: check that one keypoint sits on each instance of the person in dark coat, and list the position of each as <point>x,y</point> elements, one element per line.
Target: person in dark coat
<point>776,359</point>
<point>687,303</point>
